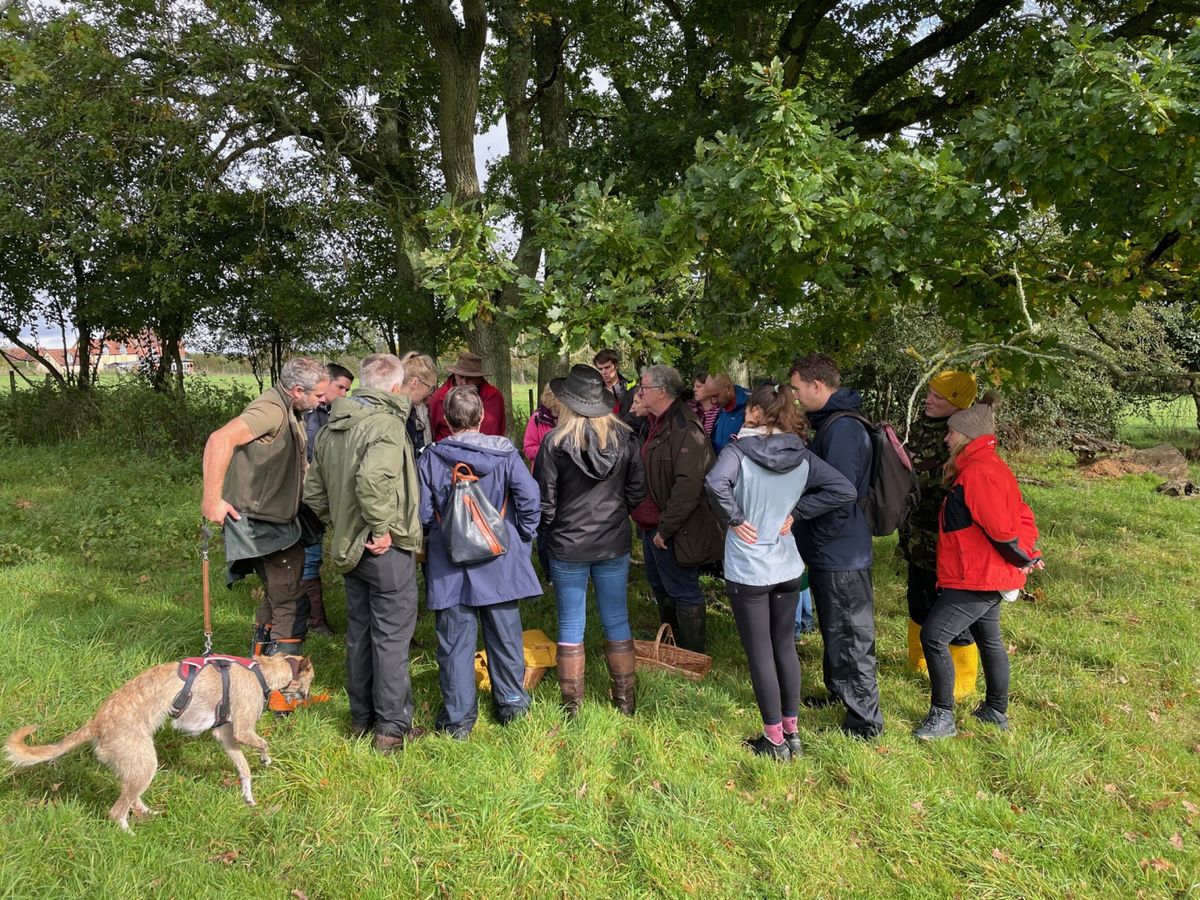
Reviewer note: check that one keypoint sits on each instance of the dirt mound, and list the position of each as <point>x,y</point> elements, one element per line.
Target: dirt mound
<point>1164,460</point>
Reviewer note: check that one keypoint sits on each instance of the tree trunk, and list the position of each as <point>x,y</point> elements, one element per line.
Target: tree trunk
<point>83,343</point>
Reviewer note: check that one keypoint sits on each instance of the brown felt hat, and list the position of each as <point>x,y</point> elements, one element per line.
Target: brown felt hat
<point>469,365</point>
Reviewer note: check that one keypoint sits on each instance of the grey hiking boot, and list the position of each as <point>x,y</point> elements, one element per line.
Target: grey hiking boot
<point>764,746</point>
<point>792,739</point>
<point>985,713</point>
<point>937,725</point>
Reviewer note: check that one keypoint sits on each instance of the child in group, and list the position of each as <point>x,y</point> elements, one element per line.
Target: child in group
<point>760,481</point>
<point>986,548</point>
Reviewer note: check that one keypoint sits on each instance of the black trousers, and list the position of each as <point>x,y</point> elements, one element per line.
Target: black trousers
<point>381,614</point>
<point>766,623</point>
<point>922,594</point>
<point>845,604</point>
<point>978,611</point>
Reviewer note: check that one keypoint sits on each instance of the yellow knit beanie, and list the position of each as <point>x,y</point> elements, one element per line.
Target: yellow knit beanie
<point>956,386</point>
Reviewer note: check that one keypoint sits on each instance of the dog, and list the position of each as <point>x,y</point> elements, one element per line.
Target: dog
<point>122,731</point>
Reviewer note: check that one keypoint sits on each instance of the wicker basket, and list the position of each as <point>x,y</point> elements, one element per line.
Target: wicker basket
<point>662,653</point>
<point>533,676</point>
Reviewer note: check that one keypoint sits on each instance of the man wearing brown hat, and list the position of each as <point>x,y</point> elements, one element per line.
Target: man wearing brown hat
<point>469,370</point>
<point>949,392</point>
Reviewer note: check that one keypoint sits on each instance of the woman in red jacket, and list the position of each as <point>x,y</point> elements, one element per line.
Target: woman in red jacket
<point>986,547</point>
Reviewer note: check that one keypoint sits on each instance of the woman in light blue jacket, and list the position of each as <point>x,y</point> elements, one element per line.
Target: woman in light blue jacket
<point>760,482</point>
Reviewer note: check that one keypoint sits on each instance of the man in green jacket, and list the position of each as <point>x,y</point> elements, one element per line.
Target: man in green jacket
<point>253,476</point>
<point>363,482</point>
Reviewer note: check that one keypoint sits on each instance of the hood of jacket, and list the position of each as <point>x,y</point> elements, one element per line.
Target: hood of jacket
<point>347,412</point>
<point>774,452</point>
<point>482,452</point>
<point>841,399</point>
<point>594,461</point>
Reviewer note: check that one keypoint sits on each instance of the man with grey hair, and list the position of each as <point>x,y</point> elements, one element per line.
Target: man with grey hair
<point>680,533</point>
<point>363,482</point>
<point>253,475</point>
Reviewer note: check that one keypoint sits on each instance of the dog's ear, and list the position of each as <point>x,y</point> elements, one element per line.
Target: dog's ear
<point>305,664</point>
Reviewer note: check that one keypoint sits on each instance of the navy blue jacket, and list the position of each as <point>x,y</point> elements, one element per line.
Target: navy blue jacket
<point>839,540</point>
<point>507,484</point>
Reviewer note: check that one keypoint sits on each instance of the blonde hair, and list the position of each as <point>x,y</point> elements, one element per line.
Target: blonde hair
<point>550,401</point>
<point>606,428</point>
<point>420,366</point>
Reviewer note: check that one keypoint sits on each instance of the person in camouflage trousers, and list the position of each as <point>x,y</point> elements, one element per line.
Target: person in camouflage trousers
<point>949,392</point>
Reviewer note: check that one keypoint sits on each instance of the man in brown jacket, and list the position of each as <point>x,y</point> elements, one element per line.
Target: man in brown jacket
<point>254,469</point>
<point>680,533</point>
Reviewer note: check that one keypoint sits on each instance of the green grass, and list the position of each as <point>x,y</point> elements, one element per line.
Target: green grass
<point>1160,422</point>
<point>1093,793</point>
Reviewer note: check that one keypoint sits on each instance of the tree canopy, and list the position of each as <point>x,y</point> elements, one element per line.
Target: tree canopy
<point>685,179</point>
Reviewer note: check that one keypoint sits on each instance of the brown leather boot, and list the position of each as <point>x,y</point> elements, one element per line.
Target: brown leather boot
<point>316,607</point>
<point>621,664</point>
<point>570,677</point>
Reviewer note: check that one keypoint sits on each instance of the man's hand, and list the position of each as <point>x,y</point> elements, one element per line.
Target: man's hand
<point>217,512</point>
<point>379,545</point>
<point>786,527</point>
<point>659,542</point>
<point>746,532</point>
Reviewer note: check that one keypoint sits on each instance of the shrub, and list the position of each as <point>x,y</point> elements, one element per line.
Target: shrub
<point>128,414</point>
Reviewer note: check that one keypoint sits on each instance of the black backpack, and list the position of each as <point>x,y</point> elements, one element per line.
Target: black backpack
<point>893,491</point>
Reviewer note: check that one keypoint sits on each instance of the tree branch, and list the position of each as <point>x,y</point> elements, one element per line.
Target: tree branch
<point>947,35</point>
<point>798,34</point>
<point>909,111</point>
<point>1146,22</point>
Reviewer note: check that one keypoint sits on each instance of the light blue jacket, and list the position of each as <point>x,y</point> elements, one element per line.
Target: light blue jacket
<point>762,479</point>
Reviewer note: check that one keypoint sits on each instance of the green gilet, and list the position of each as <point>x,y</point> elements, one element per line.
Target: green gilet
<point>266,475</point>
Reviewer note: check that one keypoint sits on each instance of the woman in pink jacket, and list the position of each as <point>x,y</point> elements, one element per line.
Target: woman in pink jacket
<point>541,423</point>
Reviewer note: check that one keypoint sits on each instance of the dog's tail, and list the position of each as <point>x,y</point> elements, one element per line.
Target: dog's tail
<point>21,754</point>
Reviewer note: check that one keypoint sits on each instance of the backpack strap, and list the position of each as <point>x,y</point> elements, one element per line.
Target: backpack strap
<point>867,425</point>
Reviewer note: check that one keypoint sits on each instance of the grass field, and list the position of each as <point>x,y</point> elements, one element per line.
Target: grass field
<point>1094,793</point>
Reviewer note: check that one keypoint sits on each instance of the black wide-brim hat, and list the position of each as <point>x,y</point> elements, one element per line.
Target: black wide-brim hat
<point>583,391</point>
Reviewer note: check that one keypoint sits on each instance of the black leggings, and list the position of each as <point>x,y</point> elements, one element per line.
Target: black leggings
<point>766,623</point>
<point>979,611</point>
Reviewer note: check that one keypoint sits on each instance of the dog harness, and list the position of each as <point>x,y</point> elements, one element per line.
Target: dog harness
<point>191,667</point>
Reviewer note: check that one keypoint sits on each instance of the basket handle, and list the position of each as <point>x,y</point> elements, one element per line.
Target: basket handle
<point>664,630</point>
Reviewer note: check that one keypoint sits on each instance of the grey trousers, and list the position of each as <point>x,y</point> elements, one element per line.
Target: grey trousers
<point>502,638</point>
<point>381,614</point>
<point>845,603</point>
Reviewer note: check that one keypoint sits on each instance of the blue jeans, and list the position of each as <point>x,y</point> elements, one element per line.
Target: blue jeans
<point>804,614</point>
<point>611,578</point>
<point>312,563</point>
<point>682,583</point>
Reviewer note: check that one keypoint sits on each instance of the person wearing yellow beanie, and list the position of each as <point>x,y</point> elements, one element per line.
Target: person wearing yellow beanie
<point>949,392</point>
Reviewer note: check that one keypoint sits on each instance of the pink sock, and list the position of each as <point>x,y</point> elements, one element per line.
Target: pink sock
<point>774,732</point>
<point>789,724</point>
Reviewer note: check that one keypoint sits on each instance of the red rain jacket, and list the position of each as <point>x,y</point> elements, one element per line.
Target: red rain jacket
<point>986,532</point>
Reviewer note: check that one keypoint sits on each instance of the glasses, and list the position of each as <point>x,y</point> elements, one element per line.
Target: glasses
<point>642,388</point>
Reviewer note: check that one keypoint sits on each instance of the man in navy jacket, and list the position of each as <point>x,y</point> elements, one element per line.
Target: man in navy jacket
<point>836,547</point>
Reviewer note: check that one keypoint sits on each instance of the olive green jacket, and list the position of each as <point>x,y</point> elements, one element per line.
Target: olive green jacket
<point>265,476</point>
<point>363,478</point>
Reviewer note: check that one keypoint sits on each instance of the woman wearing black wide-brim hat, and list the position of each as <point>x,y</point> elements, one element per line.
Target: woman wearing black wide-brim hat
<point>590,473</point>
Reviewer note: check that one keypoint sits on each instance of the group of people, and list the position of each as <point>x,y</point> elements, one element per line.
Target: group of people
<point>728,476</point>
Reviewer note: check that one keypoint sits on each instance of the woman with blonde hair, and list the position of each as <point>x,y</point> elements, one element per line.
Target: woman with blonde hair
<point>590,474</point>
<point>987,545</point>
<point>541,423</point>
